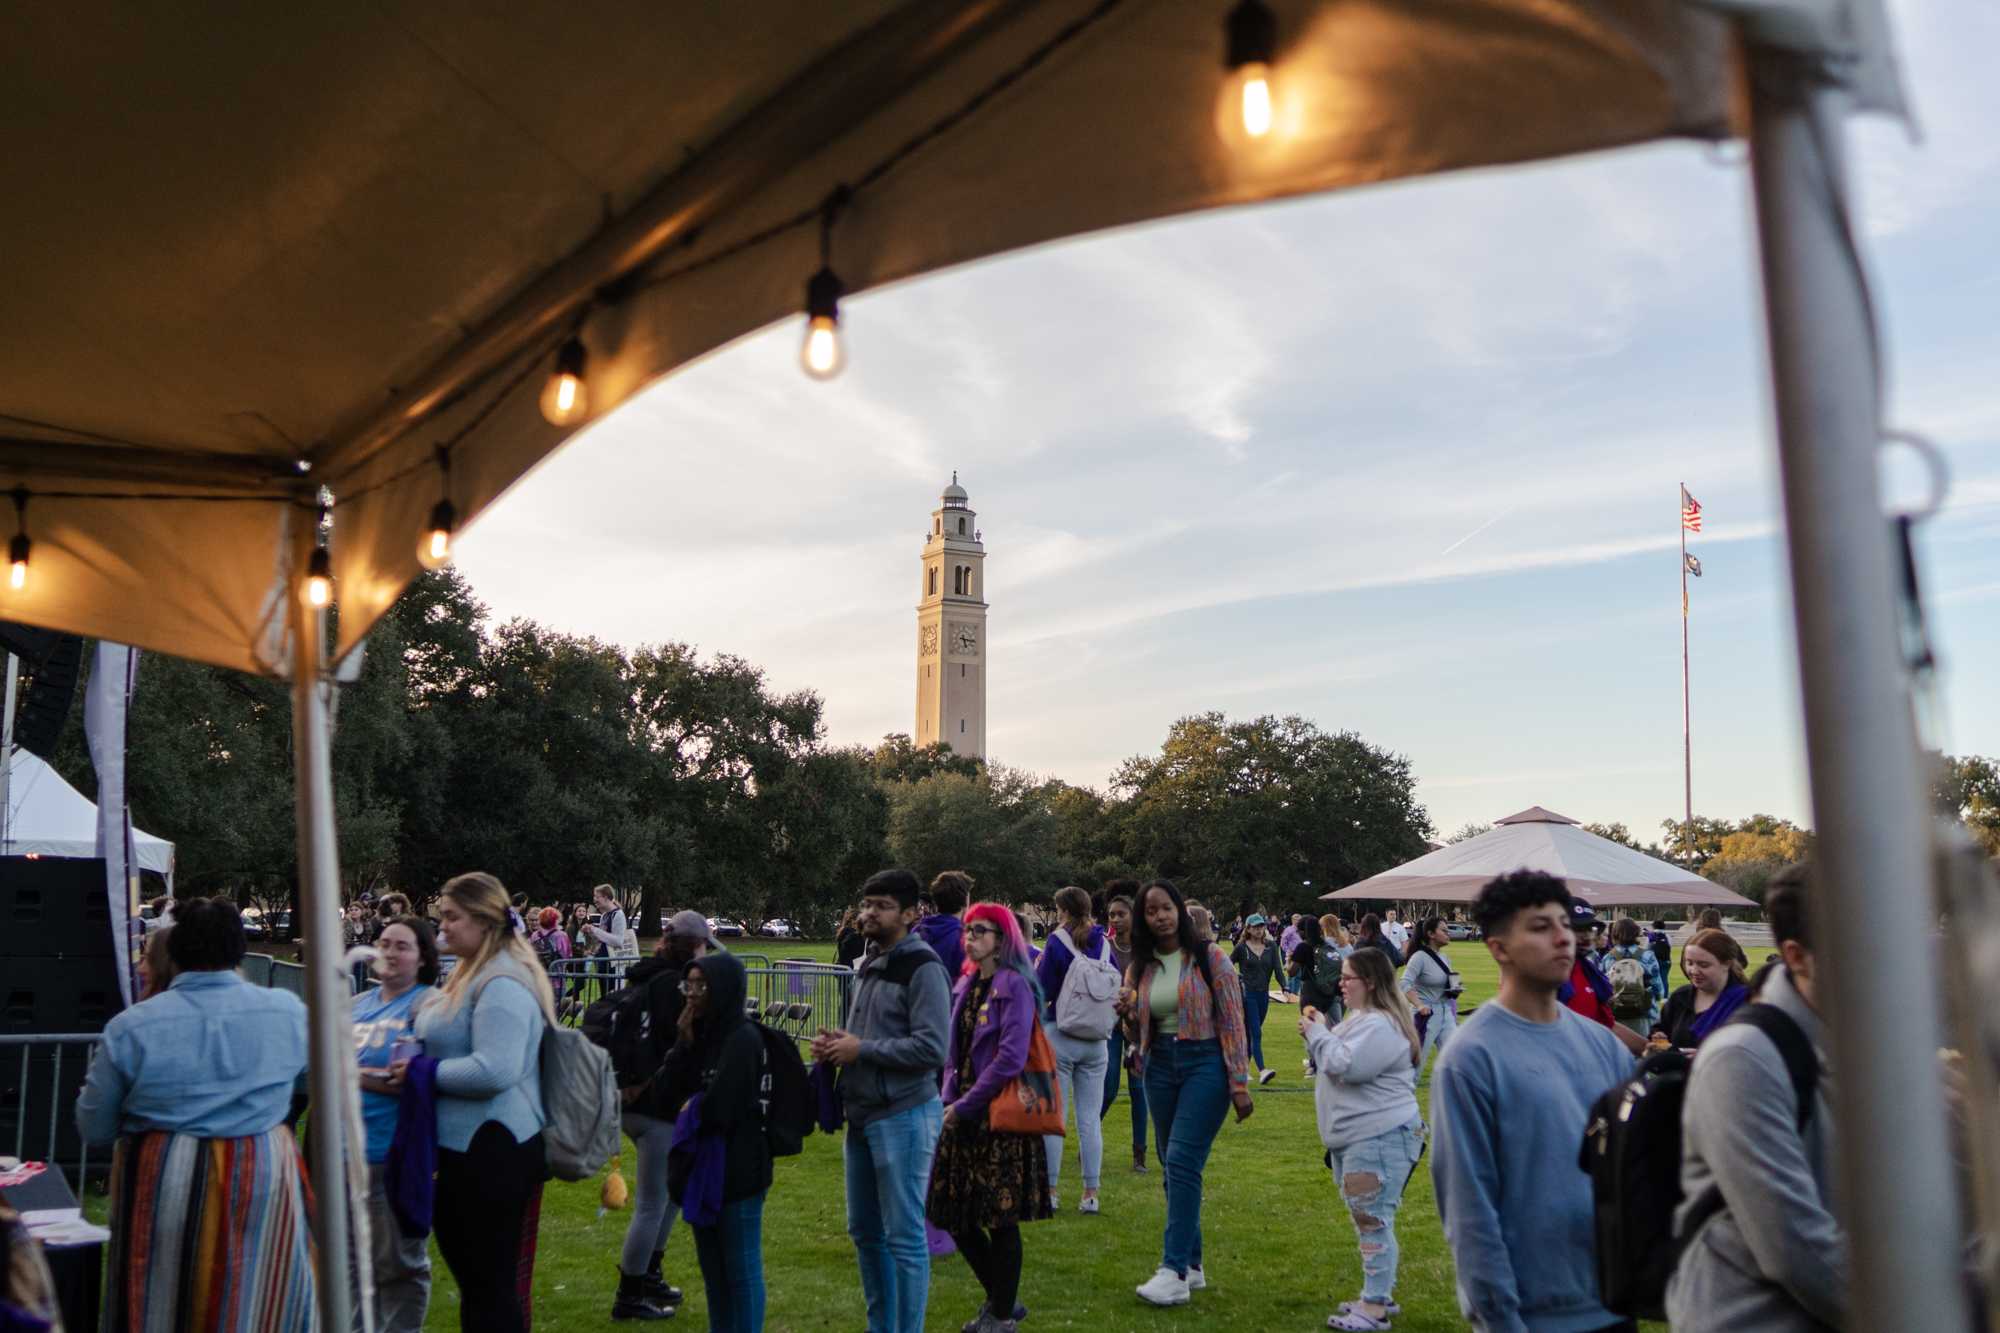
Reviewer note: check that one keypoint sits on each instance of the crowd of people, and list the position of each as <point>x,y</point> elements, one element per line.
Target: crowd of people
<point>965,1056</point>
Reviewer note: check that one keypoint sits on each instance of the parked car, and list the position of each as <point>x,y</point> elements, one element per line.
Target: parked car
<point>778,928</point>
<point>1461,930</point>
<point>253,923</point>
<point>723,928</point>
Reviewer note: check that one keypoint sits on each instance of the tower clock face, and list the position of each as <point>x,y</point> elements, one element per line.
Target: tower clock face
<point>927,640</point>
<point>963,640</point>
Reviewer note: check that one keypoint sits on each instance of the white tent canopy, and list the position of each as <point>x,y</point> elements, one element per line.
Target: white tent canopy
<point>1599,871</point>
<point>48,817</point>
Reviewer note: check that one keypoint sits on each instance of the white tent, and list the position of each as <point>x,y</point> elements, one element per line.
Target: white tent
<point>1599,871</point>
<point>48,817</point>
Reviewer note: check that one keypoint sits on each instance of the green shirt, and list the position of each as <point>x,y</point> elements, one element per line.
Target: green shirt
<point>1166,996</point>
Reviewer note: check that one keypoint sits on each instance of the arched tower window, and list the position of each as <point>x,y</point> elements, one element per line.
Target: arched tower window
<point>958,580</point>
<point>930,589</point>
<point>961,527</point>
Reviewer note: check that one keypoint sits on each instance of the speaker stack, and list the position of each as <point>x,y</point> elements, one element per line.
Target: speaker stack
<point>58,975</point>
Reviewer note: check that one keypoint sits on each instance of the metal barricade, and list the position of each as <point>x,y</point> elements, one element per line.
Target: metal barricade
<point>798,997</point>
<point>289,977</point>
<point>579,981</point>
<point>256,968</point>
<point>38,1089</point>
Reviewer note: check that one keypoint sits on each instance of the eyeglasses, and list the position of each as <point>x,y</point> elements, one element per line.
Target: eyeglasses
<point>970,931</point>
<point>694,988</point>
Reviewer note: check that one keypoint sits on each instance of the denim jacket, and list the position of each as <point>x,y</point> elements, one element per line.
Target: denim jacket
<point>215,1057</point>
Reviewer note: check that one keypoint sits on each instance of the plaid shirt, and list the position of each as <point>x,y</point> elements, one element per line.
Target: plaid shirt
<point>1203,1017</point>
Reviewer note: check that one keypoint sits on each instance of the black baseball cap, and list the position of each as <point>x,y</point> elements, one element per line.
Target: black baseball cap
<point>1581,917</point>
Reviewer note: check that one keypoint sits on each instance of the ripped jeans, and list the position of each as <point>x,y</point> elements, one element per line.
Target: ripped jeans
<point>1370,1176</point>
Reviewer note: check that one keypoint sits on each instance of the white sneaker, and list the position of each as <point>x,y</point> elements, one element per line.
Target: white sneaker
<point>1088,1205</point>
<point>1196,1279</point>
<point>1267,1076</point>
<point>1055,1202</point>
<point>1165,1287</point>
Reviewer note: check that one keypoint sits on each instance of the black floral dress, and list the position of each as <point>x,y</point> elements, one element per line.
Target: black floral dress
<point>979,1178</point>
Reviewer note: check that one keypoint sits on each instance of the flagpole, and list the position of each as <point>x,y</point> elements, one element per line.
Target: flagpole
<point>1687,719</point>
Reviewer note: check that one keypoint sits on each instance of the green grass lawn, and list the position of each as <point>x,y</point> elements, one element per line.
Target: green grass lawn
<point>1280,1250</point>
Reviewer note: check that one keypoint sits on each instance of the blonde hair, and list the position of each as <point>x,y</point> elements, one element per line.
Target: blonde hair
<point>1330,926</point>
<point>484,899</point>
<point>1382,995</point>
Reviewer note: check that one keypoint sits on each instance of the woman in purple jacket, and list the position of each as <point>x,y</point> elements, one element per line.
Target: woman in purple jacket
<point>984,1184</point>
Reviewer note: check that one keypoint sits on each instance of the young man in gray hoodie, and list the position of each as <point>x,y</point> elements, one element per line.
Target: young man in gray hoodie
<point>890,1055</point>
<point>1766,1250</point>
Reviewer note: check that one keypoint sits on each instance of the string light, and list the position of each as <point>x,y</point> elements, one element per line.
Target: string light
<point>1247,107</point>
<point>319,578</point>
<point>434,545</point>
<point>318,587</point>
<point>821,353</point>
<point>17,550</point>
<point>566,397</point>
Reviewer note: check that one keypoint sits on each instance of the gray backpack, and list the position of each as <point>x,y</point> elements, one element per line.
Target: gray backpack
<point>580,1099</point>
<point>1087,1006</point>
<point>580,1102</point>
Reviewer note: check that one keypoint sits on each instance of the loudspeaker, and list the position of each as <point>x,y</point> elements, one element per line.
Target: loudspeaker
<point>44,995</point>
<point>53,661</point>
<point>53,907</point>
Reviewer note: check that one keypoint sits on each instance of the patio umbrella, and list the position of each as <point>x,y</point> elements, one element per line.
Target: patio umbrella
<point>1601,872</point>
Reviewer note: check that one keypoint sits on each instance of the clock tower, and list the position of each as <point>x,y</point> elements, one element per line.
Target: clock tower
<point>951,629</point>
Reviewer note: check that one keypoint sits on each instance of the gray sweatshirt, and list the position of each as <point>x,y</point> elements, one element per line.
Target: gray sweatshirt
<point>1367,1083</point>
<point>1775,1257</point>
<point>902,1030</point>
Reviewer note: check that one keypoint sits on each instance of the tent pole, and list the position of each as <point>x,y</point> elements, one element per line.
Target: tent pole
<point>1899,1209</point>
<point>328,1033</point>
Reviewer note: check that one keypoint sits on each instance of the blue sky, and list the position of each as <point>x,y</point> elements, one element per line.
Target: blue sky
<point>1401,460</point>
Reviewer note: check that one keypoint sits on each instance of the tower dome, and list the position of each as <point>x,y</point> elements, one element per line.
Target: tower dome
<point>954,494</point>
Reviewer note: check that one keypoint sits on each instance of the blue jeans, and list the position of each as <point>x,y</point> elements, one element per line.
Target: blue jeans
<point>888,1182</point>
<point>1189,1093</point>
<point>1115,1049</point>
<point>732,1267</point>
<point>1255,1006</point>
<point>1370,1176</point>
<point>1080,1069</point>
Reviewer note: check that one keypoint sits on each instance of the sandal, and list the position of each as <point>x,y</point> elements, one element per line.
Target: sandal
<point>1353,1321</point>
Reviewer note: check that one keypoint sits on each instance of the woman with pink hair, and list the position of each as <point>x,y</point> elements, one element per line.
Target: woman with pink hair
<point>985,1184</point>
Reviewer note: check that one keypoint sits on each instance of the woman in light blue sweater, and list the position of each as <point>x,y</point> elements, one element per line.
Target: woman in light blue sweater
<point>484,1028</point>
<point>1366,1096</point>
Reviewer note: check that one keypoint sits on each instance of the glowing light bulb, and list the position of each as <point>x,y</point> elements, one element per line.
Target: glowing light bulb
<point>822,354</point>
<point>17,560</point>
<point>1247,109</point>
<point>1255,99</point>
<point>566,397</point>
<point>319,578</point>
<point>434,546</point>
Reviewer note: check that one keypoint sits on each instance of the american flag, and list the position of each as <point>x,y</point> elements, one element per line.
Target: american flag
<point>1690,511</point>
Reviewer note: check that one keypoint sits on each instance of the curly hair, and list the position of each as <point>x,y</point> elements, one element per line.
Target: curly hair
<point>1507,895</point>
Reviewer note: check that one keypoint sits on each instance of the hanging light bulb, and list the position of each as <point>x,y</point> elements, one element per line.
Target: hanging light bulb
<point>319,578</point>
<point>17,550</point>
<point>434,547</point>
<point>822,355</point>
<point>1247,108</point>
<point>566,398</point>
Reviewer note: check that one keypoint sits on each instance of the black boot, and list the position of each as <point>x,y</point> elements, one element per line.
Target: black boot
<point>631,1302</point>
<point>657,1290</point>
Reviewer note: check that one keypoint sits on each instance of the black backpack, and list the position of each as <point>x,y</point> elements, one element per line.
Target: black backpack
<point>1632,1154</point>
<point>788,1097</point>
<point>546,953</point>
<point>1663,953</point>
<point>622,1023</point>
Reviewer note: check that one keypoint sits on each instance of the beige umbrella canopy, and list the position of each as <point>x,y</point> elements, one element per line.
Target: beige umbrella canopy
<point>1598,870</point>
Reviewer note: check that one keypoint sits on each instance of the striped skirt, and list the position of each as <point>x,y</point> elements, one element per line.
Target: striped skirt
<point>209,1236</point>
